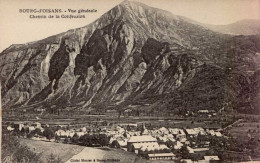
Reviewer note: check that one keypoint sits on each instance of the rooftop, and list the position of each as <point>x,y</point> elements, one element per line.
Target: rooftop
<point>161,155</point>
<point>145,138</point>
<point>208,158</point>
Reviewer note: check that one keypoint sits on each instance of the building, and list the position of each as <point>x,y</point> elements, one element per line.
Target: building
<point>161,156</point>
<point>191,132</point>
<point>211,158</point>
<point>203,111</point>
<point>178,145</point>
<point>218,134</point>
<point>139,139</point>
<point>186,161</point>
<point>9,128</point>
<point>37,125</point>
<point>122,142</point>
<point>147,145</point>
<point>18,126</point>
<point>181,134</point>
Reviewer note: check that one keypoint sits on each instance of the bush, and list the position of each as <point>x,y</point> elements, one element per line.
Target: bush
<point>54,159</point>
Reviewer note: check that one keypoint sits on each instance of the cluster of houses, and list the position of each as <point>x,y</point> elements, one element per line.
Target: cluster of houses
<point>152,144</point>
<point>29,127</point>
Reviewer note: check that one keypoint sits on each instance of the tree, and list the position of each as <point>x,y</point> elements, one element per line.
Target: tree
<point>125,135</point>
<point>57,138</point>
<point>75,138</point>
<point>66,140</point>
<point>183,152</point>
<point>48,133</point>
<point>169,144</point>
<point>54,159</point>
<point>115,144</point>
<point>103,140</point>
<point>22,132</point>
<point>37,131</point>
<point>128,128</point>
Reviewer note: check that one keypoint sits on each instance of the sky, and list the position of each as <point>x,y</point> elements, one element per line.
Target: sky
<point>18,28</point>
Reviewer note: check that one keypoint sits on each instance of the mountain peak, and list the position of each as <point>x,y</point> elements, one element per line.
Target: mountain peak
<point>130,53</point>
<point>138,5</point>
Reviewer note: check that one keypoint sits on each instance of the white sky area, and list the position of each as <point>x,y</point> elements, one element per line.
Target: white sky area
<point>18,28</point>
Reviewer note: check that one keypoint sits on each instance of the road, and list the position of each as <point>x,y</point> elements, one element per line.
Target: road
<point>239,120</point>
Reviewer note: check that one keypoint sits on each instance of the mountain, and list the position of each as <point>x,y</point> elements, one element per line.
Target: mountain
<point>133,55</point>
<point>242,27</point>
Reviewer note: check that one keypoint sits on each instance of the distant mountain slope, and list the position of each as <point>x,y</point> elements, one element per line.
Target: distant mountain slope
<point>242,27</point>
<point>133,54</point>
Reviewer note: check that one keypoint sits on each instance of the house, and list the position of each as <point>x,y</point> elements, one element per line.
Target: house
<point>190,150</point>
<point>203,111</point>
<point>181,134</point>
<point>18,126</point>
<point>128,124</point>
<point>191,132</point>
<point>174,131</point>
<point>200,149</point>
<point>145,132</point>
<point>218,134</point>
<point>138,146</point>
<point>164,130</point>
<point>31,128</point>
<point>186,161</point>
<point>80,133</point>
<point>139,139</point>
<point>161,156</point>
<point>211,158</point>
<point>37,125</point>
<point>164,139</point>
<point>112,112</point>
<point>128,112</point>
<point>9,128</point>
<point>39,110</point>
<point>152,147</point>
<point>122,143</point>
<point>178,145</point>
<point>211,132</point>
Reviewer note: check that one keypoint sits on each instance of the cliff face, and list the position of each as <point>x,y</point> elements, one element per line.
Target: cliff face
<point>133,54</point>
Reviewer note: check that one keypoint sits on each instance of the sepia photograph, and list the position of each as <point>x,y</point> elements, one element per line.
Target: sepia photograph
<point>130,81</point>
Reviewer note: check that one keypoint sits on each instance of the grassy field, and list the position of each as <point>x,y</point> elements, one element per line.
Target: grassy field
<point>64,151</point>
<point>244,129</point>
<point>106,155</point>
<point>247,135</point>
<point>69,152</point>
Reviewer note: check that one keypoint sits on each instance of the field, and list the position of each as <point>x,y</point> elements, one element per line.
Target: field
<point>247,136</point>
<point>64,151</point>
<point>106,155</point>
<point>244,130</point>
<point>68,152</point>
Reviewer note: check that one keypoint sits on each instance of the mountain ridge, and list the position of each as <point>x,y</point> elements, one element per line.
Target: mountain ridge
<point>241,27</point>
<point>122,58</point>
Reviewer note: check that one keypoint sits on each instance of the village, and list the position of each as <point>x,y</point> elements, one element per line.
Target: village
<point>200,136</point>
<point>186,144</point>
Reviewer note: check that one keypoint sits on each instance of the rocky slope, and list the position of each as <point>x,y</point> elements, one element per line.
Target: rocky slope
<point>132,55</point>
